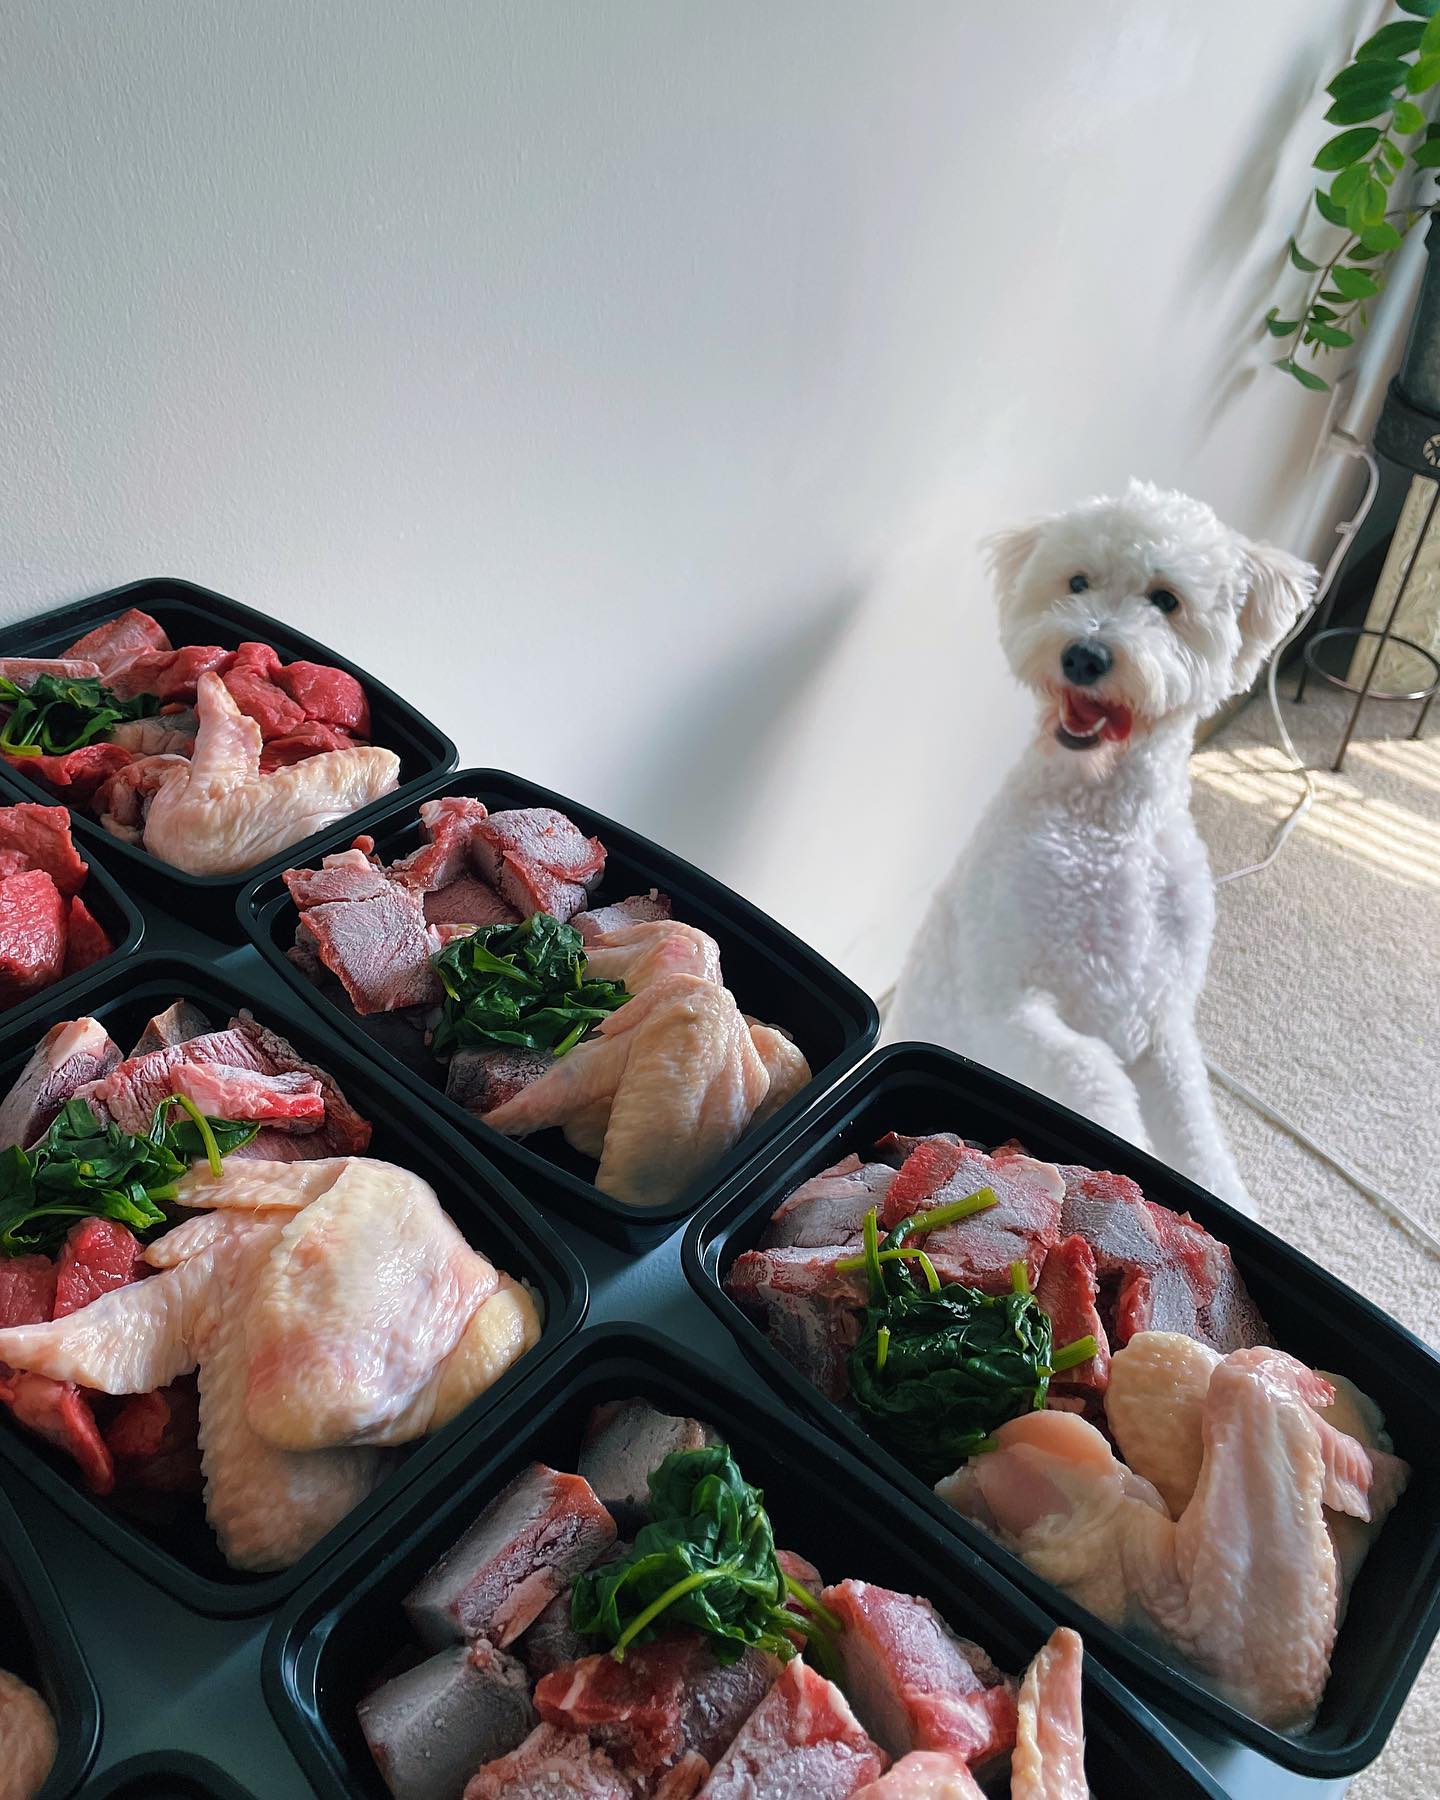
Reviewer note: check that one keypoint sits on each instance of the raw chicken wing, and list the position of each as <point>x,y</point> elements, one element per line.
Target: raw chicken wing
<point>924,1775</point>
<point>1049,1759</point>
<point>27,1739</point>
<point>640,954</point>
<point>1154,1406</point>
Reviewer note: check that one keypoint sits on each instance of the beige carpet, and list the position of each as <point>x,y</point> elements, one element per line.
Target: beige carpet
<point>1324,997</point>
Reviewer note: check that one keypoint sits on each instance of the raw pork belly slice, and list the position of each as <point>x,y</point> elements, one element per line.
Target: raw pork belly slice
<point>480,1080</point>
<point>97,1256</point>
<point>1067,1293</point>
<point>979,1250</point>
<point>41,836</point>
<point>538,860</point>
<point>526,1547</point>
<point>179,1022</point>
<point>669,1709</point>
<point>69,1057</point>
<point>830,1208</point>
<point>916,1685</point>
<point>119,640</point>
<point>808,1308</point>
<point>380,947</point>
<point>801,1743</point>
<point>467,901</point>
<point>1049,1760</point>
<point>1166,1273</point>
<point>639,909</point>
<point>551,1765</point>
<point>432,1727</point>
<point>625,1440</point>
<point>86,939</point>
<point>33,919</point>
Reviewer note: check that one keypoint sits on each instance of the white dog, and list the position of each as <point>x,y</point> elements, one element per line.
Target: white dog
<point>1068,945</point>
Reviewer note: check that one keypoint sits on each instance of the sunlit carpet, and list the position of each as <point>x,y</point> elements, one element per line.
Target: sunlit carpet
<point>1324,997</point>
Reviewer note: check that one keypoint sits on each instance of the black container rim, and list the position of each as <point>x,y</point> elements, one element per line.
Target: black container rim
<point>116,908</point>
<point>143,1776</point>
<point>300,646</point>
<point>491,1201</point>
<point>787,1161</point>
<point>73,1699</point>
<point>264,900</point>
<point>288,1664</point>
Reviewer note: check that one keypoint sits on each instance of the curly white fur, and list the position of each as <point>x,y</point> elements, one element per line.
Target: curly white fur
<point>1068,945</point>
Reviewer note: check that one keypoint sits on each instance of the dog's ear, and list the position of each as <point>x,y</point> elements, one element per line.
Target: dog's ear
<point>1006,554</point>
<point>1278,589</point>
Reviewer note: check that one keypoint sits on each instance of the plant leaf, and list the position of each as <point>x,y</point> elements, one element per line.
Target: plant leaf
<point>1367,75</point>
<point>1398,39</point>
<point>1327,209</point>
<point>1424,73</point>
<point>1408,118</point>
<point>1321,312</point>
<point>1306,377</point>
<point>1280,327</point>
<point>1430,38</point>
<point>1301,262</point>
<point>1394,156</point>
<point>1348,183</point>
<point>1364,103</point>
<point>1426,155</point>
<point>1330,335</point>
<point>1377,239</point>
<point>1347,148</point>
<point>1355,284</point>
<point>1419,9</point>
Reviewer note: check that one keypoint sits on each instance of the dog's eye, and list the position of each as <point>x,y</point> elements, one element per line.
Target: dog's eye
<point>1165,600</point>
<point>1079,583</point>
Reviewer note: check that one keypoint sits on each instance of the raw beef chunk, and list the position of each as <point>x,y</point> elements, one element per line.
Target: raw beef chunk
<point>467,901</point>
<point>69,1057</point>
<point>830,1208</point>
<point>624,1441</point>
<point>669,1709</point>
<point>915,1683</point>
<point>86,939</point>
<point>327,696</point>
<point>801,1743</point>
<point>432,1727</point>
<point>33,918</point>
<point>40,836</point>
<point>538,860</point>
<point>639,909</point>
<point>448,827</point>
<point>807,1308</point>
<point>551,1765</point>
<point>1067,1293</point>
<point>77,774</point>
<point>176,1025</point>
<point>97,1255</point>
<point>250,679</point>
<point>154,1439</point>
<point>380,948</point>
<point>480,1080</point>
<point>527,1546</point>
<point>979,1250</point>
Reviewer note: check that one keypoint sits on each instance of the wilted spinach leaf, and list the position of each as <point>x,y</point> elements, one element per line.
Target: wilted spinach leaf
<point>522,986</point>
<point>60,713</point>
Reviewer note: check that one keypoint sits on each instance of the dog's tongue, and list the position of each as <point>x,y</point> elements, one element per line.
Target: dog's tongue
<point>1081,713</point>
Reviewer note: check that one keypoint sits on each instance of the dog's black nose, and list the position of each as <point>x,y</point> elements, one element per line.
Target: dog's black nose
<point>1085,661</point>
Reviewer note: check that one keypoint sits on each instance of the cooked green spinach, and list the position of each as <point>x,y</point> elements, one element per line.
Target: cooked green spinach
<point>82,1169</point>
<point>522,986</point>
<point>61,713</point>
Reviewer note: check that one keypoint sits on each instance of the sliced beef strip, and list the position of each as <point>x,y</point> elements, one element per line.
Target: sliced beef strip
<point>830,1208</point>
<point>537,860</point>
<point>338,881</point>
<point>896,1146</point>
<point>526,1547</point>
<point>480,1080</point>
<point>289,1102</point>
<point>380,947</point>
<point>979,1251</point>
<point>802,1739</point>
<point>432,1726</point>
<point>25,671</point>
<point>914,1682</point>
<point>171,675</point>
<point>69,1057</point>
<point>551,1765</point>
<point>625,1441</point>
<point>346,1132</point>
<point>809,1310</point>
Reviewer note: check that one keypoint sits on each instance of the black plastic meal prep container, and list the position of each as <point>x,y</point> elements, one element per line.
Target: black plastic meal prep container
<point>773,975</point>
<point>166,1775</point>
<point>1395,1606</point>
<point>325,1649</point>
<point>175,1547</point>
<point>195,615</point>
<point>113,908</point>
<point>37,1644</point>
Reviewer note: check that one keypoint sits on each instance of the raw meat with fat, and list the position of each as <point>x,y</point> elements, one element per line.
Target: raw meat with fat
<point>537,860</point>
<point>801,1743</point>
<point>980,1250</point>
<point>69,1057</point>
<point>551,1765</point>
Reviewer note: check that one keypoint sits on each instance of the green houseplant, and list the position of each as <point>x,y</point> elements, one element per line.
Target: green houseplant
<point>1375,98</point>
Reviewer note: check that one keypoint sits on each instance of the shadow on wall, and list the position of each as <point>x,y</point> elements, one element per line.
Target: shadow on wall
<point>695,793</point>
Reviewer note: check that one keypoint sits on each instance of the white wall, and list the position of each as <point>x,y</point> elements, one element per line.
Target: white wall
<point>629,383</point>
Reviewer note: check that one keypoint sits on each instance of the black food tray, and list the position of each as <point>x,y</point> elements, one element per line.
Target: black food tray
<point>112,906</point>
<point>327,1645</point>
<point>173,1775</point>
<point>37,1644</point>
<point>175,1548</point>
<point>772,974</point>
<point>195,615</point>
<point>1395,1606</point>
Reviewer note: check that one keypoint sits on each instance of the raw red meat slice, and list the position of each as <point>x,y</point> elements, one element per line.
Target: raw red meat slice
<point>1067,1294</point>
<point>916,1685</point>
<point>312,738</point>
<point>380,948</point>
<point>27,1290</point>
<point>538,860</point>
<point>97,1256</point>
<point>33,915</point>
<point>78,773</point>
<point>168,674</point>
<point>326,695</point>
<point>342,881</point>
<point>153,1439</point>
<point>292,1102</point>
<point>467,901</point>
<point>86,939</point>
<point>70,1056</point>
<point>830,1208</point>
<point>527,1546</point>
<point>25,671</point>
<point>801,1743</point>
<point>979,1250</point>
<point>551,1765</point>
<point>480,1080</point>
<point>639,909</point>
<point>346,1132</point>
<point>115,642</point>
<point>807,1308</point>
<point>625,1441</point>
<point>58,1412</point>
<point>179,1022</point>
<point>251,681</point>
<point>431,1727</point>
<point>669,1709</point>
<point>41,835</point>
<point>448,827</point>
<point>896,1146</point>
